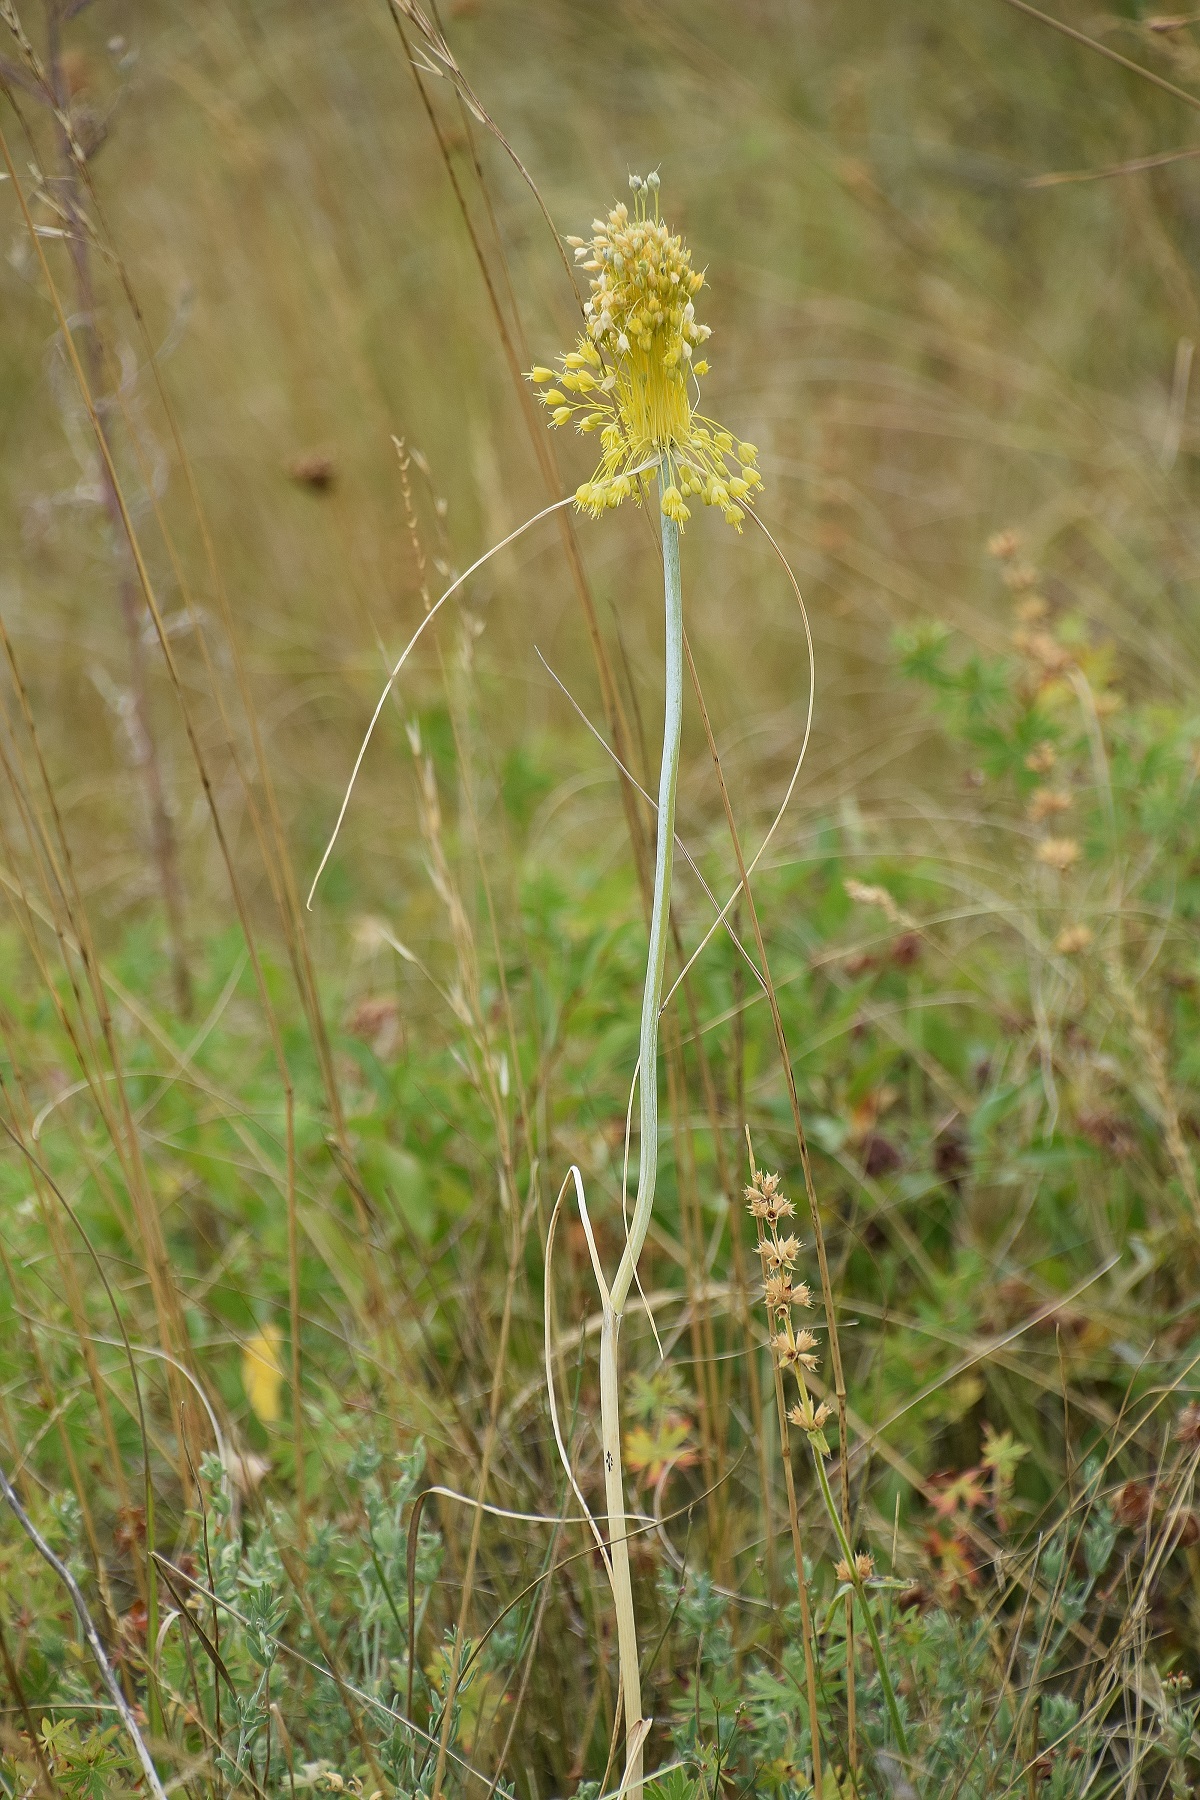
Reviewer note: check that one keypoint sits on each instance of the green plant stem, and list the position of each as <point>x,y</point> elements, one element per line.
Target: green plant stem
<point>889,1693</point>
<point>659,913</point>
<point>614,1301</point>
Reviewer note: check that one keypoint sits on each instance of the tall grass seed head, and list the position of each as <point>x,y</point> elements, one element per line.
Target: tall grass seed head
<point>779,1252</point>
<point>634,375</point>
<point>764,1201</point>
<point>795,1351</point>
<point>781,1292</point>
<point>810,1418</point>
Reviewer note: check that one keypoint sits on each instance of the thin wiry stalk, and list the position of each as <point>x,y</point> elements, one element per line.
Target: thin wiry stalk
<point>123,1710</point>
<point>885,1680</point>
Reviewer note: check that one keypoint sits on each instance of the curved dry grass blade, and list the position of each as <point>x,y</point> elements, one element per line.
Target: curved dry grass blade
<point>545,513</point>
<point>791,786</point>
<point>549,1345</point>
<point>451,70</point>
<point>502,1512</point>
<point>637,1280</point>
<point>652,803</point>
<point>1124,62</point>
<point>403,658</point>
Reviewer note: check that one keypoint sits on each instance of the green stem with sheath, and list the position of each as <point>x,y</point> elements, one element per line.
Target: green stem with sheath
<point>614,1300</point>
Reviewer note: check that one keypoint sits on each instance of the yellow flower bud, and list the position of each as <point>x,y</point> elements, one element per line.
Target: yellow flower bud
<point>539,374</point>
<point>560,415</point>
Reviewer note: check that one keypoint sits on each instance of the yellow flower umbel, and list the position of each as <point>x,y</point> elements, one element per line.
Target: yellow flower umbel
<point>633,376</point>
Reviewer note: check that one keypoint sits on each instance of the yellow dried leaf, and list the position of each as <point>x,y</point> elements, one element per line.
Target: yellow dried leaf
<point>262,1373</point>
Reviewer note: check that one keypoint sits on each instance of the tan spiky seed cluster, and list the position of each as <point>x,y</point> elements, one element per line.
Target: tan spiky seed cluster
<point>794,1350</point>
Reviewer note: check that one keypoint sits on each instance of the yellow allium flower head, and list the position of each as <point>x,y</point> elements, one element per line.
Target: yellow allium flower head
<point>633,375</point>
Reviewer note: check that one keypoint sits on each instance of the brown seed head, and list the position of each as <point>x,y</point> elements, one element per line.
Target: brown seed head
<point>1057,853</point>
<point>1131,1507</point>
<point>1046,802</point>
<point>1187,1426</point>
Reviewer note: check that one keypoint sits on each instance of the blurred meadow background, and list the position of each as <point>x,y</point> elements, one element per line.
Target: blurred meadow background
<point>277,1183</point>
